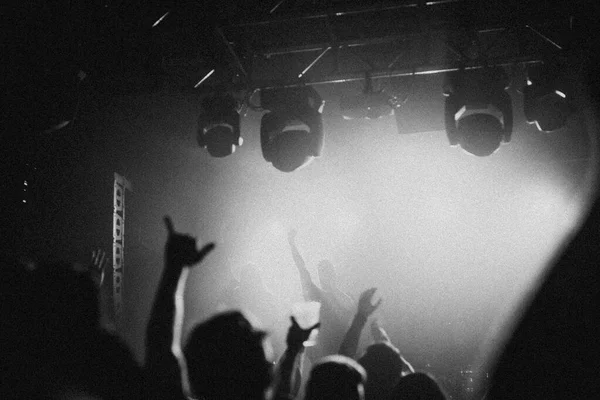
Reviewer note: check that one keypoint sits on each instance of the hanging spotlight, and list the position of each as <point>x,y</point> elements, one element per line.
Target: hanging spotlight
<point>478,110</point>
<point>369,104</point>
<point>219,125</point>
<point>546,100</point>
<point>291,132</point>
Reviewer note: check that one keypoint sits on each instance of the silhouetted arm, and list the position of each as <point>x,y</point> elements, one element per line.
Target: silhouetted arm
<point>407,368</point>
<point>288,370</point>
<point>162,365</point>
<point>310,291</point>
<point>380,335</point>
<point>164,362</point>
<point>365,309</point>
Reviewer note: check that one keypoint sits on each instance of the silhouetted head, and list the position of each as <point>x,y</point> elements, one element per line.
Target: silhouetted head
<point>104,368</point>
<point>336,378</point>
<point>417,386</point>
<point>67,300</point>
<point>53,346</point>
<point>384,368</point>
<point>226,359</point>
<point>327,275</point>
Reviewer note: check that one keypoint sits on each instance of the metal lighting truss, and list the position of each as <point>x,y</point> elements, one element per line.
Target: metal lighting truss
<point>298,43</point>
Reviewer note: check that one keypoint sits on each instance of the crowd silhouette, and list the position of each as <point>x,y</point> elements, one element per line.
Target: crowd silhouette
<point>54,345</point>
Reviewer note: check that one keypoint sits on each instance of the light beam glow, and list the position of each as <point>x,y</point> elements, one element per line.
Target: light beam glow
<point>158,21</point>
<point>561,94</point>
<point>204,79</point>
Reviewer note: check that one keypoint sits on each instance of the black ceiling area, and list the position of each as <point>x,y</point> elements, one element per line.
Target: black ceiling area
<point>195,47</point>
<point>140,45</point>
<point>52,51</point>
<point>66,57</point>
<point>389,39</point>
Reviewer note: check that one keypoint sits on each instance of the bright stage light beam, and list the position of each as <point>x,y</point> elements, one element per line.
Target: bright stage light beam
<point>203,79</point>
<point>158,21</point>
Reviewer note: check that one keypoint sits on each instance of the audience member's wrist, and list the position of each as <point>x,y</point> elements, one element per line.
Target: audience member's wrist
<point>295,348</point>
<point>361,318</point>
<point>173,266</point>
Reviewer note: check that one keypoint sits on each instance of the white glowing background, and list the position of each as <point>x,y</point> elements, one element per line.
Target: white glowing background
<point>453,242</point>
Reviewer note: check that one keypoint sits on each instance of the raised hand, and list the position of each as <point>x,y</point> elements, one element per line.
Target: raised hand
<point>181,249</point>
<point>365,303</point>
<point>378,333</point>
<point>98,266</point>
<point>297,336</point>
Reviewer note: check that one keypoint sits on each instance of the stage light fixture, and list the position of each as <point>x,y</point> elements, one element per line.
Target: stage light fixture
<point>219,125</point>
<point>369,104</point>
<point>478,110</point>
<point>291,132</point>
<point>546,99</point>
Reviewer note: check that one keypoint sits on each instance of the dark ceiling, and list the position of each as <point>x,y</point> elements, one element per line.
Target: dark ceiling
<point>270,43</point>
